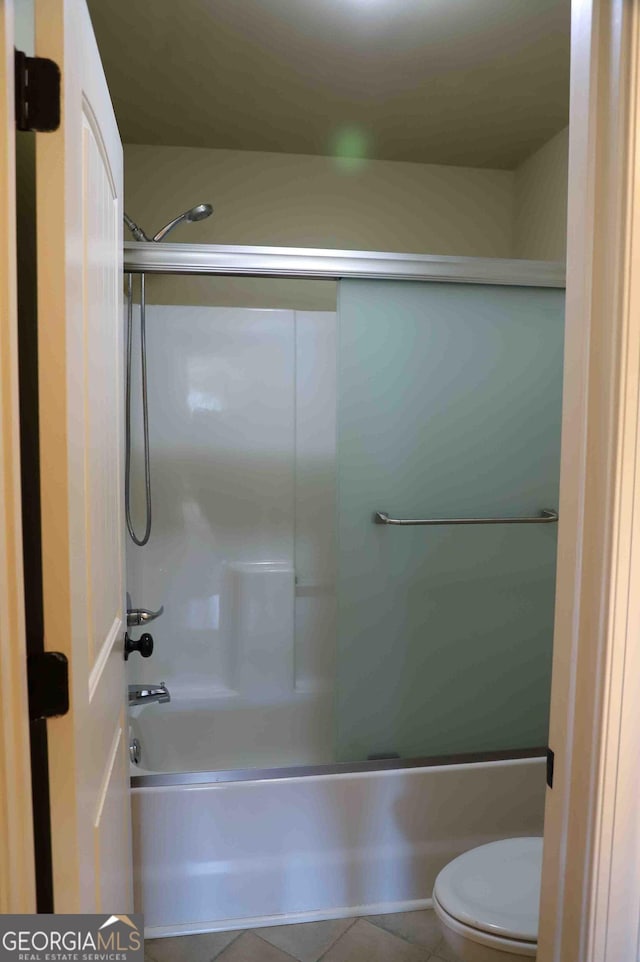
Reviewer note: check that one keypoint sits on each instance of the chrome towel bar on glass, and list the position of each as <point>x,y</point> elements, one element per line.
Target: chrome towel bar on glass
<point>546,516</point>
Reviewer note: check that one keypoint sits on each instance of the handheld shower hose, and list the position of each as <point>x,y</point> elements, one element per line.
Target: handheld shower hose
<point>199,212</point>
<point>145,414</point>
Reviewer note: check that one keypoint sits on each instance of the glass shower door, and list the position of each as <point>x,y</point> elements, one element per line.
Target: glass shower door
<point>449,405</point>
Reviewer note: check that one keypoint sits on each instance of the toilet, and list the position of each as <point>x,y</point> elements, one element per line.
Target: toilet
<point>487,901</point>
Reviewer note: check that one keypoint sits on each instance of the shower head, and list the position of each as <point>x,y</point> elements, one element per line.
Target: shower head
<point>199,212</point>
<point>195,213</point>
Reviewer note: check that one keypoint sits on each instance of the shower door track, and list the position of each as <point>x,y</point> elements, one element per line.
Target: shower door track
<point>164,779</point>
<point>310,263</point>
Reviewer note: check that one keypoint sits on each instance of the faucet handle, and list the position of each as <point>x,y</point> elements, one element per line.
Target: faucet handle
<point>144,644</point>
<point>142,616</point>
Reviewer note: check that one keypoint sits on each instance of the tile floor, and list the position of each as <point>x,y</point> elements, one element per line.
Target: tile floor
<point>406,937</point>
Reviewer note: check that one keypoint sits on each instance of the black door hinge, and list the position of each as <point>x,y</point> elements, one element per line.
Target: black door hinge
<point>48,683</point>
<point>550,763</point>
<point>37,93</point>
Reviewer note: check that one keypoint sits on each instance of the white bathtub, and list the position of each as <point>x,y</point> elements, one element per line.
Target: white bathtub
<point>232,731</point>
<point>216,854</point>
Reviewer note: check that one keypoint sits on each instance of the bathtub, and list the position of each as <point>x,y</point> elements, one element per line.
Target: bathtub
<point>232,731</point>
<point>222,850</point>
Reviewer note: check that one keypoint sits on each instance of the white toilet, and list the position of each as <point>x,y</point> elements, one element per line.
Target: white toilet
<point>487,901</point>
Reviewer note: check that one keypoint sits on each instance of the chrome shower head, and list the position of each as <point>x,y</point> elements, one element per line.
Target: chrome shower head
<point>194,214</point>
<point>199,212</point>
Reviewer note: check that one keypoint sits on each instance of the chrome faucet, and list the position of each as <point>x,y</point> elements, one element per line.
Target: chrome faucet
<point>142,616</point>
<point>145,694</point>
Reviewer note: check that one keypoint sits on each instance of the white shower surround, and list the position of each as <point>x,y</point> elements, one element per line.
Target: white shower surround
<point>227,855</point>
<point>242,437</point>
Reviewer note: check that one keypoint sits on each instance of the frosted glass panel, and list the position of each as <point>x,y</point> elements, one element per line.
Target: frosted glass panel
<point>449,405</point>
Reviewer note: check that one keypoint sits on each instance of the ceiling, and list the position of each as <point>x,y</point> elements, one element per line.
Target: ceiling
<point>480,83</point>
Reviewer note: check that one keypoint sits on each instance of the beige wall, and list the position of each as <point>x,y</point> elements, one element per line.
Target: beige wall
<point>540,202</point>
<point>303,201</point>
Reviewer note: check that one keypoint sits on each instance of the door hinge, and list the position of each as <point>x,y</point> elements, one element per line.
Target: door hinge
<point>550,763</point>
<point>37,93</point>
<point>48,683</point>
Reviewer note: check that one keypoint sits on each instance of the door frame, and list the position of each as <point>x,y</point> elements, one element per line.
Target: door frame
<point>591,881</point>
<point>590,905</point>
<point>17,864</point>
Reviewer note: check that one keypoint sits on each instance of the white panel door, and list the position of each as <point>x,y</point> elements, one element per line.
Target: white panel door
<point>79,214</point>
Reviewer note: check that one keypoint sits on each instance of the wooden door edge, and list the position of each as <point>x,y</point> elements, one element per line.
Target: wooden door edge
<point>17,868</point>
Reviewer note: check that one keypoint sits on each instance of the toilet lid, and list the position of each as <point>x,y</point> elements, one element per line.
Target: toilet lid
<point>495,888</point>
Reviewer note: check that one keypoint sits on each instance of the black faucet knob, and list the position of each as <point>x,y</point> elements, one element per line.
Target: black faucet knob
<point>143,645</point>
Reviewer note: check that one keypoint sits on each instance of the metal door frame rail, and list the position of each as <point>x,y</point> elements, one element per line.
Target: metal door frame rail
<point>546,516</point>
<point>303,262</point>
<point>165,779</point>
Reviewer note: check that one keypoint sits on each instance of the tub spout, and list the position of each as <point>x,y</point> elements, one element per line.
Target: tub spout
<point>145,694</point>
